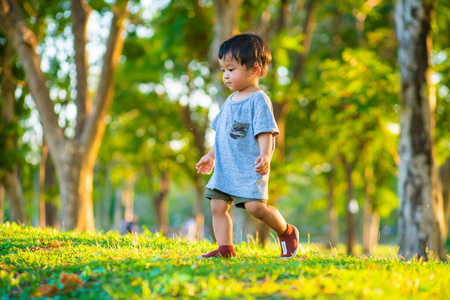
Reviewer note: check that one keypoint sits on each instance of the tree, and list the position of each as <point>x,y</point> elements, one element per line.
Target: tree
<point>421,226</point>
<point>289,36</point>
<point>74,158</point>
<point>350,116</point>
<point>187,43</point>
<point>441,69</point>
<point>226,20</point>
<point>9,178</point>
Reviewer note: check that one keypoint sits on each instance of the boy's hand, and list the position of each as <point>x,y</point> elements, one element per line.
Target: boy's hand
<point>205,164</point>
<point>262,163</point>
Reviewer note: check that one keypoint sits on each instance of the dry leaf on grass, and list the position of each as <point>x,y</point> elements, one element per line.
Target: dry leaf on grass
<point>49,246</point>
<point>70,281</point>
<point>54,244</point>
<point>47,290</point>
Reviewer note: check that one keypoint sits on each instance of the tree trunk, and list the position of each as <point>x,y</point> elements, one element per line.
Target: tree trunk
<point>94,128</point>
<point>74,159</point>
<point>80,15</point>
<point>2,201</point>
<point>333,219</point>
<point>225,26</point>
<point>370,228</point>
<point>444,174</point>
<point>68,167</point>
<point>8,174</point>
<point>13,189</point>
<point>308,29</point>
<point>198,211</point>
<point>371,219</point>
<point>159,198</point>
<point>374,230</point>
<point>117,219</point>
<point>51,215</point>
<point>199,137</point>
<point>128,199</point>
<point>226,13</point>
<point>351,224</point>
<point>160,203</point>
<point>367,223</point>
<point>421,226</point>
<point>106,203</point>
<point>44,157</point>
<point>50,188</point>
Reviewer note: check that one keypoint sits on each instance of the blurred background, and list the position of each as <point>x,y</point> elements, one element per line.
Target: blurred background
<point>334,83</point>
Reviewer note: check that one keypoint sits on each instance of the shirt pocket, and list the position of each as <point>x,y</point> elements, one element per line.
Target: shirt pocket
<point>239,130</point>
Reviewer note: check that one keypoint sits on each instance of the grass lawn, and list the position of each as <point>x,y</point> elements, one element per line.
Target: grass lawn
<point>48,264</point>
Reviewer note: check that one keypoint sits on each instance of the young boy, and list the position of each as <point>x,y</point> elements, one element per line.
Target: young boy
<point>244,142</point>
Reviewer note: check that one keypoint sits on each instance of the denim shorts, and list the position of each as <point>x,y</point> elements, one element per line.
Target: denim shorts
<point>238,201</point>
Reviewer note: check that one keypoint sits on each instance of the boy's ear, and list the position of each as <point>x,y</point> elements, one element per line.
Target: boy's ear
<point>256,71</point>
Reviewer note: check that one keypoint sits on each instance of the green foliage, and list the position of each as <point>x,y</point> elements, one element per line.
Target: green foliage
<point>352,107</point>
<point>441,79</point>
<point>284,44</point>
<point>184,27</point>
<point>344,103</point>
<point>147,130</point>
<point>109,266</point>
<point>9,155</point>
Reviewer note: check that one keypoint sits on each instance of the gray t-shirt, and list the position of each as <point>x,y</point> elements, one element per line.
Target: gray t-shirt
<point>236,146</point>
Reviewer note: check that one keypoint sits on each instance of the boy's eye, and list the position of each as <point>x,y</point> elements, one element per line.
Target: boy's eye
<point>231,70</point>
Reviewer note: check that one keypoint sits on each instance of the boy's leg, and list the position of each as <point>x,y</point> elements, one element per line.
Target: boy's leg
<point>222,223</point>
<point>287,234</point>
<point>268,214</point>
<point>223,229</point>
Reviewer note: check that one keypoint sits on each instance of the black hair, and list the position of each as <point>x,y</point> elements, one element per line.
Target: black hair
<point>247,49</point>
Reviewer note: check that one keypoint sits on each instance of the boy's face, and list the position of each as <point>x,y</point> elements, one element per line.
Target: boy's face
<point>237,77</point>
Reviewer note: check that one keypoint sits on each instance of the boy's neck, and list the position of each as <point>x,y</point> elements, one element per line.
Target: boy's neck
<point>245,92</point>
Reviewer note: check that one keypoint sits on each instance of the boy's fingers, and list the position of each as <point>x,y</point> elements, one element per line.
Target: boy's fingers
<point>202,170</point>
<point>200,163</point>
<point>261,169</point>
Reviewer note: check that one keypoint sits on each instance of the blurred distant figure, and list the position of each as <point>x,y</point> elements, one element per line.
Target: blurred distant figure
<point>129,227</point>
<point>188,229</point>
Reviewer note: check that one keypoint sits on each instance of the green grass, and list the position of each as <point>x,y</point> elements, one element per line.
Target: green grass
<point>109,266</point>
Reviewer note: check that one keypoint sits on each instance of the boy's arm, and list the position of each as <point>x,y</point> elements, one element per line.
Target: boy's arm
<point>206,163</point>
<point>262,162</point>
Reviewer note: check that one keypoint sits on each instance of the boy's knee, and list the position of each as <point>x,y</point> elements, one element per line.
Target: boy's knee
<point>219,206</point>
<point>256,209</point>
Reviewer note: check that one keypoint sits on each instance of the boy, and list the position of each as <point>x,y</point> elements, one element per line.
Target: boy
<point>245,139</point>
